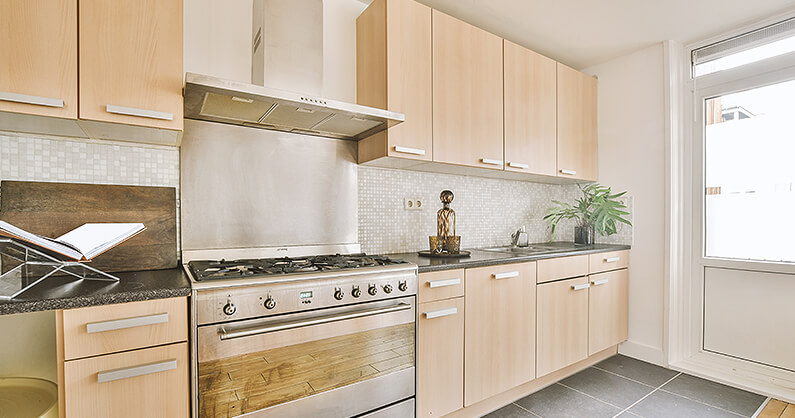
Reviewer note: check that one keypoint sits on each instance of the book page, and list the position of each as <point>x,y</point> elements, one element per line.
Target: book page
<point>95,238</point>
<point>18,233</point>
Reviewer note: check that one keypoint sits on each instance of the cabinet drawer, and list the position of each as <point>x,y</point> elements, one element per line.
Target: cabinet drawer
<point>440,285</point>
<point>440,357</point>
<point>111,328</point>
<point>613,260</point>
<point>562,268</point>
<point>152,382</point>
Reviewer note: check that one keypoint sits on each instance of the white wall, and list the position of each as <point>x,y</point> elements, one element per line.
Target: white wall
<point>632,157</point>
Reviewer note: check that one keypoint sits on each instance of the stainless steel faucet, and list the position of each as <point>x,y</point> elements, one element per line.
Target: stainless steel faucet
<point>520,238</point>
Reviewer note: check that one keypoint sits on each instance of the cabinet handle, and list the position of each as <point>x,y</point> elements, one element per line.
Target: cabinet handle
<point>443,283</point>
<point>612,259</point>
<point>507,275</point>
<point>489,161</point>
<point>143,369</point>
<point>580,286</point>
<point>440,313</point>
<point>569,172</point>
<point>600,282</point>
<point>138,321</point>
<point>143,113</point>
<point>407,150</point>
<point>29,99</point>
<point>518,165</point>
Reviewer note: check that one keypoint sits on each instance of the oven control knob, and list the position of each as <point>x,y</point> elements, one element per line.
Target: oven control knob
<point>230,308</point>
<point>270,303</point>
<point>356,292</point>
<point>403,286</point>
<point>338,294</point>
<point>372,290</point>
<point>388,288</point>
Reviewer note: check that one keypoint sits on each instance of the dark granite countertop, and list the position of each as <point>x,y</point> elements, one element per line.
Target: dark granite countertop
<point>480,258</point>
<point>65,292</point>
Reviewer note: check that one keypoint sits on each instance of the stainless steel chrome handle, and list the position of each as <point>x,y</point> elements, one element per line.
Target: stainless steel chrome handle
<point>30,99</point>
<point>612,259</point>
<point>569,172</point>
<point>580,286</point>
<point>407,150</point>
<point>274,326</point>
<point>138,321</point>
<point>143,369</point>
<point>440,313</point>
<point>143,113</point>
<point>599,282</point>
<point>490,161</point>
<point>518,165</point>
<point>506,275</point>
<point>443,283</point>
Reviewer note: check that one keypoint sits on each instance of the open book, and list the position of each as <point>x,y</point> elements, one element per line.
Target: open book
<point>82,243</point>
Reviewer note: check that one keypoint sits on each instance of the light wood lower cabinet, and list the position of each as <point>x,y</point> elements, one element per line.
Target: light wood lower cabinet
<point>440,357</point>
<point>562,324</point>
<point>607,309</point>
<point>499,342</point>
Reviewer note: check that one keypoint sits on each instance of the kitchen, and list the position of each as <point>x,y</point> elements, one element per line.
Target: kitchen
<point>155,112</point>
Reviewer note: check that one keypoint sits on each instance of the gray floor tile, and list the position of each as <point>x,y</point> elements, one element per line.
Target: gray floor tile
<point>559,401</point>
<point>641,371</point>
<point>715,394</point>
<point>607,387</point>
<point>510,411</point>
<point>666,405</point>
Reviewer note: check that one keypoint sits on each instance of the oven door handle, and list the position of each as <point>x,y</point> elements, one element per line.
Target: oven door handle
<point>228,334</point>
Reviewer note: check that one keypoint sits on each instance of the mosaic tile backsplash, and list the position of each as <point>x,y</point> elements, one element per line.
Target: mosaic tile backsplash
<point>487,210</point>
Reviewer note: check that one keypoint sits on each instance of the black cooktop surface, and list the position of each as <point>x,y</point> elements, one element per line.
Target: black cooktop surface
<point>236,269</point>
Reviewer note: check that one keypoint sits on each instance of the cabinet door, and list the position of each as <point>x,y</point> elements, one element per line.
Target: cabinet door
<point>467,94</point>
<point>607,310</point>
<point>151,382</point>
<point>577,129</point>
<point>38,52</point>
<point>499,343</point>
<point>440,357</point>
<point>131,62</point>
<point>530,111</point>
<point>562,324</point>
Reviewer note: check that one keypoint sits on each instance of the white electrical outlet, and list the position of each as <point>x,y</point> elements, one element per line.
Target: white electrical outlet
<point>412,203</point>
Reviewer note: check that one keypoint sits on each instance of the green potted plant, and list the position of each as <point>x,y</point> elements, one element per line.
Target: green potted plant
<point>598,210</point>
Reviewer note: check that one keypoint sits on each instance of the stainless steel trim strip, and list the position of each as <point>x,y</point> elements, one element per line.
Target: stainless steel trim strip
<point>408,150</point>
<point>506,275</point>
<point>143,113</point>
<point>443,283</point>
<point>128,372</point>
<point>225,334</point>
<point>580,286</point>
<point>440,313</point>
<point>116,324</point>
<point>569,172</point>
<point>599,282</point>
<point>612,259</point>
<point>518,165</point>
<point>490,161</point>
<point>30,99</point>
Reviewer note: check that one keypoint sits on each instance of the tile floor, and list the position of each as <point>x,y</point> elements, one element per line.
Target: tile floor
<point>625,387</point>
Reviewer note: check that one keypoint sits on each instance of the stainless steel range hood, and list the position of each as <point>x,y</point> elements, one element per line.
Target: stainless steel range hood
<point>218,100</point>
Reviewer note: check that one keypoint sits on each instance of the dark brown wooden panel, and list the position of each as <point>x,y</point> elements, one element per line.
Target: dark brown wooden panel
<point>53,209</point>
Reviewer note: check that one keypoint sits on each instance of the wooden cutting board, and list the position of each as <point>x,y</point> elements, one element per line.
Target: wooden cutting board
<point>53,209</point>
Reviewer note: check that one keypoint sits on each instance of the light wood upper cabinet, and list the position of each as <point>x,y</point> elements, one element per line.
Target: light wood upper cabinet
<point>577,125</point>
<point>562,324</point>
<point>607,310</point>
<point>131,62</point>
<point>393,64</point>
<point>440,357</point>
<point>530,111</point>
<point>38,57</point>
<point>467,94</point>
<point>499,342</point>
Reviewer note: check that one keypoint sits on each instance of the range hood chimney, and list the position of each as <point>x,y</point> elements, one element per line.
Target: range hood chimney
<point>287,75</point>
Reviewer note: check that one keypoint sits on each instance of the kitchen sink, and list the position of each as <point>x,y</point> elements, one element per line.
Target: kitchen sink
<point>533,249</point>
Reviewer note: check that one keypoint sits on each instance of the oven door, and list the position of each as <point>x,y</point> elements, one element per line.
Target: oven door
<point>334,362</point>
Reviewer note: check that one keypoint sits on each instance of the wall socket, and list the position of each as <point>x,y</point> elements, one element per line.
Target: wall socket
<point>412,203</point>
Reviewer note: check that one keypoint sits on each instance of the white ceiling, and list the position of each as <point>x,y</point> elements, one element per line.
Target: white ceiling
<point>582,33</point>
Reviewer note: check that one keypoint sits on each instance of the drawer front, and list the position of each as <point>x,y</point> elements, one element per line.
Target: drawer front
<point>111,328</point>
<point>440,357</point>
<point>152,382</point>
<point>613,260</point>
<point>440,285</point>
<point>562,268</point>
